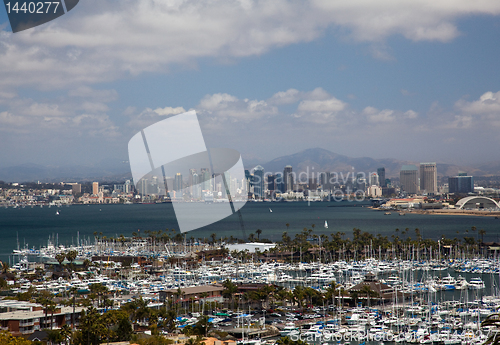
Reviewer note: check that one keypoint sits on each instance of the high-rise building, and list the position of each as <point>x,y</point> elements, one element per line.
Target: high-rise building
<point>178,182</point>
<point>205,177</point>
<point>278,179</point>
<point>327,181</point>
<point>312,184</point>
<point>258,184</point>
<point>127,186</point>
<point>428,178</point>
<point>381,177</point>
<point>461,184</point>
<point>76,189</point>
<point>95,188</point>
<point>408,179</point>
<point>271,182</point>
<point>288,178</point>
<point>374,179</point>
<point>196,186</point>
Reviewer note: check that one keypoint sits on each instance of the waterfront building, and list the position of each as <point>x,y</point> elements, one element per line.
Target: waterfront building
<point>128,187</point>
<point>271,182</point>
<point>178,182</point>
<point>374,191</point>
<point>312,184</point>
<point>288,178</point>
<point>278,179</point>
<point>461,184</point>
<point>374,179</point>
<point>213,293</point>
<point>76,188</point>
<point>258,184</point>
<point>22,322</point>
<point>359,183</point>
<point>95,188</point>
<point>205,177</point>
<point>408,179</point>
<point>428,178</point>
<point>381,177</point>
<point>196,186</point>
<point>326,181</point>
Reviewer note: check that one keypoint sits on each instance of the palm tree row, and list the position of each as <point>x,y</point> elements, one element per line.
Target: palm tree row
<point>360,245</point>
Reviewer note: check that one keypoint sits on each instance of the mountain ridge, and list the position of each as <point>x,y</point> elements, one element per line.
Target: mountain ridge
<point>309,160</point>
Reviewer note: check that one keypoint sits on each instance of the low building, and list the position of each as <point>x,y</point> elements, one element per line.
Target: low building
<point>213,294</point>
<point>381,291</point>
<point>27,322</point>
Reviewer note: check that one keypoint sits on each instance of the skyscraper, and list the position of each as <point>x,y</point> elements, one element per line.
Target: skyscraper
<point>288,178</point>
<point>408,179</point>
<point>205,177</point>
<point>196,186</point>
<point>381,177</point>
<point>428,178</point>
<point>271,182</point>
<point>278,179</point>
<point>95,188</point>
<point>374,179</point>
<point>258,185</point>
<point>178,182</point>
<point>461,184</point>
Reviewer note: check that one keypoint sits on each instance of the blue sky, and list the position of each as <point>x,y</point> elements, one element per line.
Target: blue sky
<point>413,80</point>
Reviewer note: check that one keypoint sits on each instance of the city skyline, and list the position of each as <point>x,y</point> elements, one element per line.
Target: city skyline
<point>287,77</point>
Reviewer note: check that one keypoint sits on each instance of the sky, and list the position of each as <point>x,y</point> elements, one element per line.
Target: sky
<point>413,80</point>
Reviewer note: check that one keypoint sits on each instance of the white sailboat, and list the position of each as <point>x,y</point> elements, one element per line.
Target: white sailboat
<point>270,210</point>
<point>326,224</point>
<point>57,213</point>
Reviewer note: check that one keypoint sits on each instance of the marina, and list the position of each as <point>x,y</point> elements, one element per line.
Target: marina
<point>440,301</point>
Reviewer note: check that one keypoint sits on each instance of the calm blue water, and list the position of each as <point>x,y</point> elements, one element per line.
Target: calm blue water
<point>33,226</point>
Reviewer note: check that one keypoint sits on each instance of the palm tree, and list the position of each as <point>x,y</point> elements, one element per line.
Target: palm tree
<point>482,232</point>
<point>60,258</point>
<point>73,290</point>
<point>367,290</point>
<point>52,308</point>
<point>66,333</point>
<point>203,296</point>
<point>258,232</point>
<point>230,289</point>
<point>492,320</point>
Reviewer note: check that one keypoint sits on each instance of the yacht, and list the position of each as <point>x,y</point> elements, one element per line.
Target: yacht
<point>289,329</point>
<point>476,284</point>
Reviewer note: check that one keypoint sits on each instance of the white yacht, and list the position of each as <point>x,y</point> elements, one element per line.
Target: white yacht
<point>289,329</point>
<point>476,284</point>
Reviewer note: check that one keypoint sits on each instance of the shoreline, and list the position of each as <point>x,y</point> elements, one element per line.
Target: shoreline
<point>453,212</point>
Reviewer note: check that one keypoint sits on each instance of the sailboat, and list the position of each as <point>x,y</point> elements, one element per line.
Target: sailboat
<point>270,210</point>
<point>326,224</point>
<point>57,213</point>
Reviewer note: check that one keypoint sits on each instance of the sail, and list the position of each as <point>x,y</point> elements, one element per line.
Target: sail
<point>326,224</point>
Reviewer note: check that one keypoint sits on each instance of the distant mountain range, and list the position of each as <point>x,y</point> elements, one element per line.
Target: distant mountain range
<point>315,159</point>
<point>103,171</point>
<point>321,160</point>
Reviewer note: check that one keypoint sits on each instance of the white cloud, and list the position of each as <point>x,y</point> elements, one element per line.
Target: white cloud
<point>488,103</point>
<point>169,111</point>
<point>102,41</point>
<point>289,96</point>
<point>375,115</point>
<point>224,106</point>
<point>331,105</point>
<point>411,114</point>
